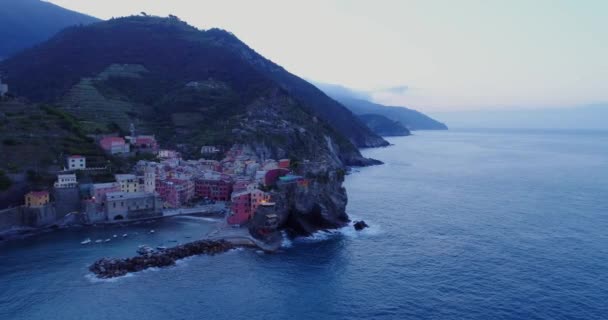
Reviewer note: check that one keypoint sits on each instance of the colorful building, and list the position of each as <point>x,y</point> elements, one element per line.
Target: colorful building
<point>218,189</point>
<point>128,182</point>
<point>240,207</point>
<point>114,145</point>
<point>144,143</point>
<point>99,191</point>
<point>175,192</point>
<point>284,163</point>
<point>129,205</point>
<point>272,176</point>
<point>66,181</point>
<point>36,199</point>
<point>76,162</point>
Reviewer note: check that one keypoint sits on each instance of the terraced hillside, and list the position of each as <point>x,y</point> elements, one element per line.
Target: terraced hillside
<point>188,87</point>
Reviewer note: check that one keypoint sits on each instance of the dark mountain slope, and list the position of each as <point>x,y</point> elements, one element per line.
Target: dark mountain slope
<point>189,87</point>
<point>25,23</point>
<point>175,53</point>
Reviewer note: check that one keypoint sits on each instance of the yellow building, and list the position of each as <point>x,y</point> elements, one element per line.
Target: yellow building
<point>36,199</point>
<point>128,182</point>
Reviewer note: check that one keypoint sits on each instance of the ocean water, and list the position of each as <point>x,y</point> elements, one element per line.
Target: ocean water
<point>464,225</point>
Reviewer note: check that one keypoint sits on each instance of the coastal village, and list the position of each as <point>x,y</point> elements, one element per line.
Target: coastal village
<point>233,187</point>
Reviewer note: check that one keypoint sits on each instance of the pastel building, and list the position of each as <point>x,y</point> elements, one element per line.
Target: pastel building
<point>175,192</point>
<point>66,181</point>
<point>76,162</point>
<point>128,182</point>
<point>36,199</point>
<point>100,190</point>
<point>132,205</point>
<point>114,145</point>
<point>284,163</point>
<point>144,142</point>
<point>240,207</point>
<point>243,205</point>
<point>150,179</point>
<point>214,188</point>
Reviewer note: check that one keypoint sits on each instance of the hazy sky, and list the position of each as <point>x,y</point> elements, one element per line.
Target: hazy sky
<point>428,54</point>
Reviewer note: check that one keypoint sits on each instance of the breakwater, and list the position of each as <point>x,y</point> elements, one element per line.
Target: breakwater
<point>106,268</point>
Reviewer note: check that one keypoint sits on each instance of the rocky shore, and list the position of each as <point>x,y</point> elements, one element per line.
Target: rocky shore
<point>106,268</point>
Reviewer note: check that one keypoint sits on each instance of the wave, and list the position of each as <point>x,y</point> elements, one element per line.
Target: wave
<point>94,279</point>
<point>347,231</point>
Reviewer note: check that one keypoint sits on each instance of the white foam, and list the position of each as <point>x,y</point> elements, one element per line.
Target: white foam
<point>94,279</point>
<point>346,231</point>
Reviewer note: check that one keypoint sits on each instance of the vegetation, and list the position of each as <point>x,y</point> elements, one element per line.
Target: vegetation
<point>189,87</point>
<point>5,182</point>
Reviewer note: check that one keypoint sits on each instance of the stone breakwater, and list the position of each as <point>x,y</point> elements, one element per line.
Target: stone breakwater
<point>106,268</point>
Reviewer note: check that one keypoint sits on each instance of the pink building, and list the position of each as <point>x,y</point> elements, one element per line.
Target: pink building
<point>99,191</point>
<point>284,163</point>
<point>215,189</point>
<point>272,176</point>
<point>145,142</point>
<point>175,192</point>
<point>240,207</point>
<point>244,204</point>
<point>114,145</point>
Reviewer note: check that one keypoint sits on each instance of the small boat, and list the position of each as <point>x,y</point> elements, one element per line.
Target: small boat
<point>152,231</point>
<point>107,240</point>
<point>124,235</point>
<point>86,241</point>
<point>98,241</point>
<point>115,236</point>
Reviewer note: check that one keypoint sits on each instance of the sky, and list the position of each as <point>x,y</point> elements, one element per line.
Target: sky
<point>432,55</point>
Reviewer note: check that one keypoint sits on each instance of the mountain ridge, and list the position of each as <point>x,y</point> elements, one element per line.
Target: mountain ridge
<point>172,59</point>
<point>25,23</point>
<point>358,103</point>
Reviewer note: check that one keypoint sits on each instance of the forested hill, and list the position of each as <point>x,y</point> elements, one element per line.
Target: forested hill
<point>25,23</point>
<point>186,85</point>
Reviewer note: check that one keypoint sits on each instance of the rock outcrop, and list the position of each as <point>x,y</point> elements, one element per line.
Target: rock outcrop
<point>111,268</point>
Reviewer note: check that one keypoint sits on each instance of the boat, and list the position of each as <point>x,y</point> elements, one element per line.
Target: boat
<point>98,241</point>
<point>86,241</point>
<point>152,231</point>
<point>115,236</point>
<point>124,235</point>
<point>107,240</point>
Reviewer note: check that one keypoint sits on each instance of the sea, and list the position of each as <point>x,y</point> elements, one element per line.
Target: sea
<point>465,224</point>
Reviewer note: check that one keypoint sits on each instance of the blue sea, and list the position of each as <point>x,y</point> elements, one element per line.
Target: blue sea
<point>464,225</point>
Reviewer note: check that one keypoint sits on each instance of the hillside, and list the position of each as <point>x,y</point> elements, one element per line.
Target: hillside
<point>190,87</point>
<point>384,126</point>
<point>34,142</point>
<point>25,23</point>
<point>359,103</point>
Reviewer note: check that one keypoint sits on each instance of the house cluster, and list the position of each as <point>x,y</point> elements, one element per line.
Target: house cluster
<point>120,145</point>
<point>238,179</point>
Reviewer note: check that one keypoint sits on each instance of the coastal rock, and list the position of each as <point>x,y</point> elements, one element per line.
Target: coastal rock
<point>110,268</point>
<point>360,225</point>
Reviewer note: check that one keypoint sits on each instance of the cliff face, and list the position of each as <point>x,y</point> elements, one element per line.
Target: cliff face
<point>319,204</point>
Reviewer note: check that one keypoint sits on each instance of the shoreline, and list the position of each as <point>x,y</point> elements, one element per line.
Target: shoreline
<point>19,233</point>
